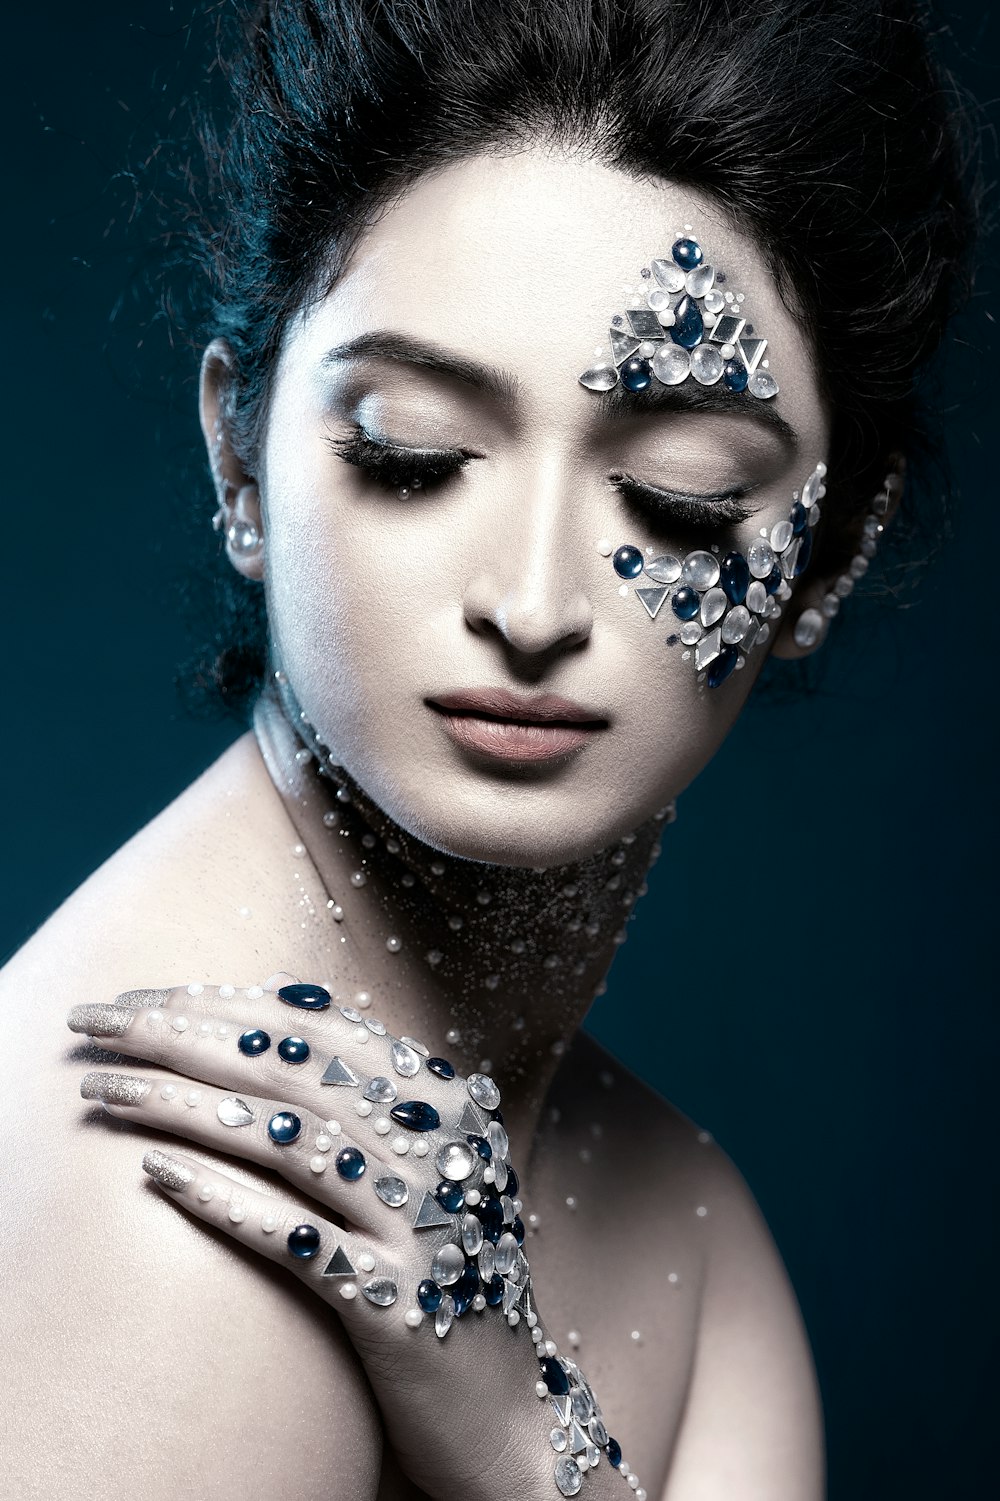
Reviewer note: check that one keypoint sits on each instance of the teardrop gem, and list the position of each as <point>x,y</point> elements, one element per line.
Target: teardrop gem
<point>734,576</point>
<point>689,326</point>
<point>415,1115</point>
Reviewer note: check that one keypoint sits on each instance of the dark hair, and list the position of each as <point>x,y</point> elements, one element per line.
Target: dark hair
<point>823,127</point>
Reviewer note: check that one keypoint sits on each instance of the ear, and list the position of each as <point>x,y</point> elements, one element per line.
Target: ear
<point>795,640</point>
<point>238,515</point>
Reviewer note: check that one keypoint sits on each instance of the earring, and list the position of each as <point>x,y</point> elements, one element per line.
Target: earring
<point>813,624</point>
<point>244,538</point>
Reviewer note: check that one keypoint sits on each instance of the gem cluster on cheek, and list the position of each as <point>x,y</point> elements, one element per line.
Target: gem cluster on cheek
<point>725,606</point>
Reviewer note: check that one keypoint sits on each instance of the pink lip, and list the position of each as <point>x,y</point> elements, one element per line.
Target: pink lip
<point>514,727</point>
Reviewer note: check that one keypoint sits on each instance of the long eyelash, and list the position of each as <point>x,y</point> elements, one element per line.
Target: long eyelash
<point>393,466</point>
<point>684,510</point>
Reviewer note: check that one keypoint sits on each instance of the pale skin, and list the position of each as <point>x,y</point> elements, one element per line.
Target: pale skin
<point>143,1348</point>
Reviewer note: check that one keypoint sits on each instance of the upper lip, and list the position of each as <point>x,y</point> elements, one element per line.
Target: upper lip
<point>501,703</point>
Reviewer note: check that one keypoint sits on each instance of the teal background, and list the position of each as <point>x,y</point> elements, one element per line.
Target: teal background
<point>819,989</point>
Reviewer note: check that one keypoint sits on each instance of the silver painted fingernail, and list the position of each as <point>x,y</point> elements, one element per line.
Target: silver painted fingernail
<point>143,997</point>
<point>167,1170</point>
<point>117,1089</point>
<point>99,1020</point>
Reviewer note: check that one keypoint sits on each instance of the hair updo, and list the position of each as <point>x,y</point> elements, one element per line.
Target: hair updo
<point>822,127</point>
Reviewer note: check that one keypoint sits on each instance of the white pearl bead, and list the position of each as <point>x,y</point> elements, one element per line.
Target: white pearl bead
<point>640,1494</point>
<point>206,1191</point>
<point>362,1036</point>
<point>362,999</point>
<point>382,1126</point>
<point>333,1127</point>
<point>413,1318</point>
<point>420,1149</point>
<point>473,1197</point>
<point>204,1028</point>
<point>195,989</point>
<point>226,992</point>
<point>269,1223</point>
<point>541,1390</point>
<point>363,1107</point>
<point>531,1319</point>
<point>237,1213</point>
<point>156,1016</point>
<point>728,351</point>
<point>513,1318</point>
<point>550,1347</point>
<point>348,1290</point>
<point>323,1142</point>
<point>479,1303</point>
<point>393,944</point>
<point>701,1211</point>
<point>193,1097</point>
<point>635,1336</point>
<point>366,1261</point>
<point>255,992</point>
<point>633,1481</point>
<point>400,1145</point>
<point>489,1176</point>
<point>582,1461</point>
<point>574,1339</point>
<point>179,1023</point>
<point>167,1092</point>
<point>537,1336</point>
<point>318,1164</point>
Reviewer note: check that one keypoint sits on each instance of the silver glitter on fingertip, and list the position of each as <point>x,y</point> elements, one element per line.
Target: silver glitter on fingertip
<point>143,997</point>
<point>100,1021</point>
<point>167,1171</point>
<point>116,1089</point>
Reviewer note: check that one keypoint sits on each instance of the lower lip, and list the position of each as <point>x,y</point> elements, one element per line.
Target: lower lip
<point>515,742</point>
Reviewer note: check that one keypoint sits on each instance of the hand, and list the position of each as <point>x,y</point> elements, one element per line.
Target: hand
<point>413,1163</point>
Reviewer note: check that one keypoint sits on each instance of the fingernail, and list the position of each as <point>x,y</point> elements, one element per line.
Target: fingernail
<point>99,1020</point>
<point>167,1170</point>
<point>136,998</point>
<point>278,980</point>
<point>117,1089</point>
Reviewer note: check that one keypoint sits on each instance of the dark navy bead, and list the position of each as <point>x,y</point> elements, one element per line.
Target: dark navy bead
<point>482,1146</point>
<point>798,516</point>
<point>490,1215</point>
<point>441,1067</point>
<point>723,665</point>
<point>517,1228</point>
<point>309,997</point>
<point>735,375</point>
<point>461,1301</point>
<point>303,1241</point>
<point>350,1163</point>
<point>773,581</point>
<point>513,1183</point>
<point>284,1126</point>
<point>687,254</point>
<point>429,1295</point>
<point>628,562</point>
<point>468,1284</point>
<point>416,1115</point>
<point>688,325</point>
<point>554,1376</point>
<point>493,1290</point>
<point>450,1196</point>
<point>805,552</point>
<point>635,374</point>
<point>614,1452</point>
<point>735,577</point>
<point>685,603</point>
<point>293,1049</point>
<point>253,1042</point>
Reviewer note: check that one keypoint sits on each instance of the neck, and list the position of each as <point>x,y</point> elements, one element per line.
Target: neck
<point>494,967</point>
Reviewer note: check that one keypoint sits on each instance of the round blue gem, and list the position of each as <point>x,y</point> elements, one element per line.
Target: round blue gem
<point>303,1241</point>
<point>310,997</point>
<point>554,1376</point>
<point>253,1042</point>
<point>493,1290</point>
<point>735,579</point>
<point>450,1196</point>
<point>685,603</point>
<point>284,1126</point>
<point>735,375</point>
<point>293,1049</point>
<point>614,1452</point>
<point>416,1115</point>
<point>513,1183</point>
<point>429,1295</point>
<point>482,1146</point>
<point>517,1228</point>
<point>805,552</point>
<point>773,581</point>
<point>687,254</point>
<point>636,374</point>
<point>688,325</point>
<point>441,1067</point>
<point>350,1163</point>
<point>798,516</point>
<point>490,1215</point>
<point>628,562</point>
<point>723,665</point>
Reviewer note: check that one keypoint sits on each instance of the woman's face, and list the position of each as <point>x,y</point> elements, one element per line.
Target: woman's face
<point>489,580</point>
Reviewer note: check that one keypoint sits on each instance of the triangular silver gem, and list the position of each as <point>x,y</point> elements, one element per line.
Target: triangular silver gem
<point>339,1265</point>
<point>652,599</point>
<point>337,1072</point>
<point>430,1214</point>
<point>622,345</point>
<point>751,350</point>
<point>561,1408</point>
<point>578,1440</point>
<point>471,1121</point>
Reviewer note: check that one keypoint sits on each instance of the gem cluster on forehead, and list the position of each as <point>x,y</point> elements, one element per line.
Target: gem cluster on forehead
<point>682,326</point>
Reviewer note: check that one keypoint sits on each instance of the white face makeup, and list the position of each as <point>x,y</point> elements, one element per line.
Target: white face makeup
<point>461,642</point>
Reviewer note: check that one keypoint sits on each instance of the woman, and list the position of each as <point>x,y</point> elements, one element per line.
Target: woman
<point>560,374</point>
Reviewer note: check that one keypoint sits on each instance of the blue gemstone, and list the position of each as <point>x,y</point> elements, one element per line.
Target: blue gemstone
<point>554,1376</point>
<point>493,1291</point>
<point>798,516</point>
<point>429,1295</point>
<point>309,997</point>
<point>636,374</point>
<point>460,1300</point>
<point>614,1452</point>
<point>350,1164</point>
<point>685,603</point>
<point>773,581</point>
<point>253,1042</point>
<point>469,1283</point>
<point>723,665</point>
<point>284,1126</point>
<point>688,325</point>
<point>450,1196</point>
<point>735,375</point>
<point>303,1241</point>
<point>490,1215</point>
<point>513,1183</point>
<point>517,1228</point>
<point>293,1049</point>
<point>735,579</point>
<point>416,1115</point>
<point>805,552</point>
<point>687,254</point>
<point>482,1146</point>
<point>441,1067</point>
<point>628,562</point>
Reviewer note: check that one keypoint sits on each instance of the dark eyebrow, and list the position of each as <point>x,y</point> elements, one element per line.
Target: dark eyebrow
<point>620,402</point>
<point>385,344</point>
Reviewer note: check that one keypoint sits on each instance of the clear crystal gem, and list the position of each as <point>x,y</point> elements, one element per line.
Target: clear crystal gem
<point>669,275</point>
<point>671,364</point>
<point>690,632</point>
<point>404,1060</point>
<point>381,1090</point>
<point>472,1235</point>
<point>700,280</point>
<point>233,1111</point>
<point>506,1253</point>
<point>500,1173</point>
<point>445,1316</point>
<point>763,385</point>
<point>713,606</point>
<point>448,1265</point>
<point>666,569</point>
<point>811,488</point>
<point>735,625</point>
<point>581,1404</point>
<point>781,535</point>
<point>381,1291</point>
<point>756,597</point>
<point>598,1432</point>
<point>487,1260</point>
<point>708,649</point>
<point>751,635</point>
<point>714,301</point>
<point>558,1439</point>
<point>456,1161</point>
<point>569,1476</point>
<point>760,557</point>
<point>790,557</point>
<point>599,377</point>
<point>483,1090</point>
<point>392,1191</point>
<point>706,364</point>
<point>701,570</point>
<point>658,299</point>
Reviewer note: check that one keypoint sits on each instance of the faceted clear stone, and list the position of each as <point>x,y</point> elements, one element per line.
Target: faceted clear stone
<point>350,1013</point>
<point>445,1315</point>
<point>381,1291</point>
<point>789,557</point>
<point>511,1293</point>
<point>809,628</point>
<point>569,1476</point>
<point>760,557</point>
<point>623,346</point>
<point>581,1404</point>
<point>430,1214</point>
<point>700,280</point>
<point>706,362</point>
<point>599,377</point>
<point>560,1406</point>
<point>487,1260</point>
<point>690,632</point>
<point>234,1112</point>
<point>404,1060</point>
<point>666,569</point>
<point>781,535</point>
<point>735,625</point>
<point>658,299</point>
<point>727,329</point>
<point>484,1091</point>
<point>471,1120</point>
<point>701,570</point>
<point>708,649</point>
<point>669,276</point>
<point>456,1161</point>
<point>671,364</point>
<point>472,1235</point>
<point>763,385</point>
<point>644,323</point>
<point>392,1191</point>
<point>577,1437</point>
<point>506,1253</point>
<point>713,606</point>
<point>374,1025</point>
<point>751,635</point>
<point>380,1090</point>
<point>558,1439</point>
<point>448,1265</point>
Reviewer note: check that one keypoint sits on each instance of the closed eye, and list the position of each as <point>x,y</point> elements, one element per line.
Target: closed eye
<point>395,467</point>
<point>678,509</point>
